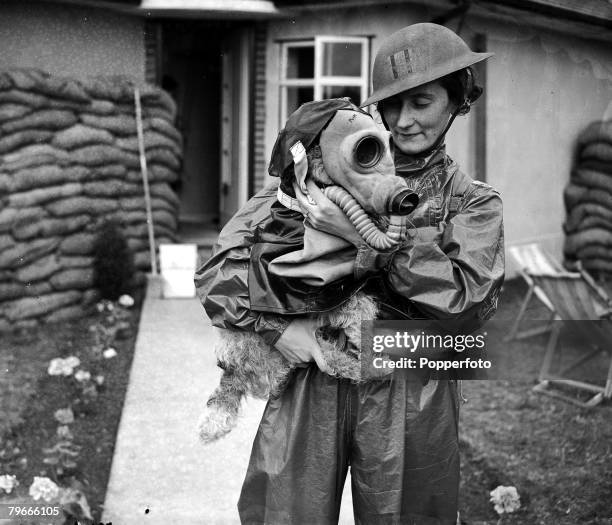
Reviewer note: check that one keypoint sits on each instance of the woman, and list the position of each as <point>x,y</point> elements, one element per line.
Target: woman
<point>399,437</point>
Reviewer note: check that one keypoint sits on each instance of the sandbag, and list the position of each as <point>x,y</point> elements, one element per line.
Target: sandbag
<point>595,251</point>
<point>601,151</point>
<point>46,227</point>
<point>102,154</point>
<point>81,135</point>
<point>582,210</point>
<point>599,131</point>
<point>39,269</point>
<point>73,278</point>
<point>81,205</point>
<point>22,254</point>
<point>116,124</point>
<point>13,111</point>
<point>65,314</point>
<point>582,239</point>
<point>26,98</point>
<point>78,244</point>
<point>574,195</point>
<point>592,179</point>
<point>23,138</point>
<point>34,306</point>
<point>43,195</point>
<point>46,119</point>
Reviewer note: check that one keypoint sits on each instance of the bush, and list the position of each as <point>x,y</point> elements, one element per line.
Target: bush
<point>113,261</point>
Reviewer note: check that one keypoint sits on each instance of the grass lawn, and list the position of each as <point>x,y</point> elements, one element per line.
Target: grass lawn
<point>557,455</point>
<point>29,396</point>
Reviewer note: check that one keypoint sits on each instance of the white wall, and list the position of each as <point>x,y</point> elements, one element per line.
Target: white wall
<point>70,41</point>
<point>542,89</point>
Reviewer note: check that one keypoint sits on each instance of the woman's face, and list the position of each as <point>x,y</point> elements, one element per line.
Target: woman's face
<point>417,117</point>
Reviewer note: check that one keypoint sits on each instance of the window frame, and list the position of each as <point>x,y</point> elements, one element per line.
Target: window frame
<point>320,81</point>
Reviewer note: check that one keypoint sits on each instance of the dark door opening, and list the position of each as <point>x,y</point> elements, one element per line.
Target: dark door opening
<point>191,72</point>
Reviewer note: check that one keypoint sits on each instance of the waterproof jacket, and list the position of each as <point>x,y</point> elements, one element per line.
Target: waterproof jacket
<point>451,266</point>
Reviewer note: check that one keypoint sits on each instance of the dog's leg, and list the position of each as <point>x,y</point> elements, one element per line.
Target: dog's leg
<point>221,412</point>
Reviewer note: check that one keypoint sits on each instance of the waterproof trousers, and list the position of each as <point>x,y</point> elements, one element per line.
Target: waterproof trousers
<point>399,437</point>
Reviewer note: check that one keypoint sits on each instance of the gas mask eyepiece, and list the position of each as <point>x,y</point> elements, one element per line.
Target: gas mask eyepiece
<point>368,151</point>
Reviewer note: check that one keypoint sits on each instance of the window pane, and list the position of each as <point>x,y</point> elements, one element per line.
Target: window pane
<point>300,62</point>
<point>342,59</point>
<point>353,92</point>
<point>296,96</point>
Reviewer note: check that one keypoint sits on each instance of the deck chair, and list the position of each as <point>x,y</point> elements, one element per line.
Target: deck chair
<point>530,259</point>
<point>576,296</point>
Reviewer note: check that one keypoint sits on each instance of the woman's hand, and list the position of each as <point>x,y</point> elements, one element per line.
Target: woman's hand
<point>298,343</point>
<point>325,215</point>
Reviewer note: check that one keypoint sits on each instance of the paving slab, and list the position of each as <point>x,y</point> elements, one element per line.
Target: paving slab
<point>161,474</point>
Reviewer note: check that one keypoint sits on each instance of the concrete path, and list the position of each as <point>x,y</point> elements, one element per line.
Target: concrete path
<point>161,474</point>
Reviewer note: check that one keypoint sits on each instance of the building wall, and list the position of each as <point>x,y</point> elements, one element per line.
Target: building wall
<point>541,89</point>
<point>71,41</point>
<point>544,89</point>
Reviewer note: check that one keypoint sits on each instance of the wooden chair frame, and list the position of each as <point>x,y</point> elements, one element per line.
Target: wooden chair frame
<point>604,335</point>
<point>530,259</point>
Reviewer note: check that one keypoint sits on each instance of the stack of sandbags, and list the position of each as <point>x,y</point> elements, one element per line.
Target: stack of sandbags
<point>68,161</point>
<point>588,201</point>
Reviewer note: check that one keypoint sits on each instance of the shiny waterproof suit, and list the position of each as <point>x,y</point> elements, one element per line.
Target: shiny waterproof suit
<point>400,437</point>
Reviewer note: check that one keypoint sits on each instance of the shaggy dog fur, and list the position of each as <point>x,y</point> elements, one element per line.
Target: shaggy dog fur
<point>251,367</point>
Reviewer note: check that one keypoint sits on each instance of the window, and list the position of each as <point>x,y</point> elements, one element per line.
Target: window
<point>326,67</point>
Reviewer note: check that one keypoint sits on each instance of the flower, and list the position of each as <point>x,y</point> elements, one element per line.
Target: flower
<point>505,499</point>
<point>72,361</point>
<point>105,304</point>
<point>43,488</point>
<point>8,483</point>
<point>82,375</point>
<point>63,432</point>
<point>109,352</point>
<point>64,416</point>
<point>99,379</point>
<point>63,367</point>
<point>126,301</point>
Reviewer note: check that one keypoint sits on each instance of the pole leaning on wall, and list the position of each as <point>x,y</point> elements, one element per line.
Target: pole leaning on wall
<point>145,179</point>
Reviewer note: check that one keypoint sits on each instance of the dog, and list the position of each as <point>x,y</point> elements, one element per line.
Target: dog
<point>353,164</point>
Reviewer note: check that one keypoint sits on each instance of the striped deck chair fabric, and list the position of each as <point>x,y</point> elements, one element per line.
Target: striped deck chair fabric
<point>575,297</point>
<point>530,260</point>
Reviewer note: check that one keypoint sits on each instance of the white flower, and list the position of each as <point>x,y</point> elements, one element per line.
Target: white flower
<point>72,361</point>
<point>8,483</point>
<point>64,416</point>
<point>82,375</point>
<point>109,353</point>
<point>43,488</point>
<point>126,301</point>
<point>505,499</point>
<point>63,432</point>
<point>63,367</point>
<point>99,379</point>
<point>100,306</point>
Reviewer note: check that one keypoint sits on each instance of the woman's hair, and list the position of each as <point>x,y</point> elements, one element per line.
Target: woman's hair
<point>455,85</point>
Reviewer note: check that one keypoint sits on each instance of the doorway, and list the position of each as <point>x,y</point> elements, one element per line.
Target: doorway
<point>204,71</point>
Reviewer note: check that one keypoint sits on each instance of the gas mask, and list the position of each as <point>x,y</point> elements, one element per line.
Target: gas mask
<point>352,163</point>
<point>356,156</point>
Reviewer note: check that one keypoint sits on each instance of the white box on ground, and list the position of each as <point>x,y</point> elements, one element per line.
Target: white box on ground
<point>178,265</point>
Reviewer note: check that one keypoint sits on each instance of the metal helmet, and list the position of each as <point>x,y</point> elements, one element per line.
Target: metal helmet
<point>416,55</point>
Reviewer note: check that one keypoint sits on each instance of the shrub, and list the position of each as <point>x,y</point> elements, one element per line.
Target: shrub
<point>113,261</point>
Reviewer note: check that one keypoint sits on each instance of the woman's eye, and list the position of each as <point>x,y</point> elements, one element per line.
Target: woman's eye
<point>422,102</point>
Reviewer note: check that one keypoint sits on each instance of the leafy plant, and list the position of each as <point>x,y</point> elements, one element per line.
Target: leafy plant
<point>113,261</point>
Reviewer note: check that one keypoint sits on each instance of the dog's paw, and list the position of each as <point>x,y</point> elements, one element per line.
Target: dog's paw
<point>214,424</point>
